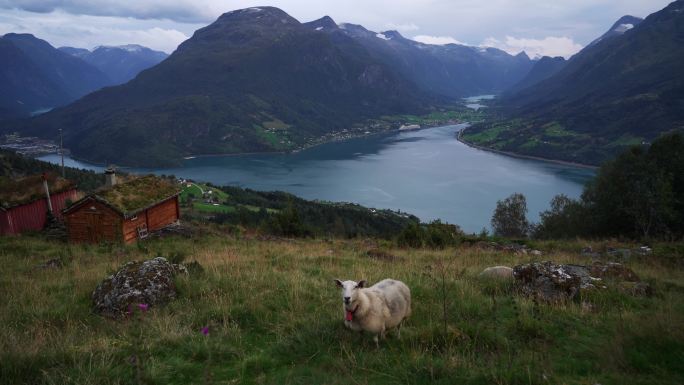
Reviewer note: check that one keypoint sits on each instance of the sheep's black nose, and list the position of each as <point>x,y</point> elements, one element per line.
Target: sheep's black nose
<point>346,299</point>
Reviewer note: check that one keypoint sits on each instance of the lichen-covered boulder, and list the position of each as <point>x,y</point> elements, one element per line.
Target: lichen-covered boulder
<point>550,282</point>
<point>149,282</point>
<point>612,270</point>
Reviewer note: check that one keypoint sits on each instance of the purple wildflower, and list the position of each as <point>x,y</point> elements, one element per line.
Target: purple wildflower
<point>205,330</point>
<point>143,306</point>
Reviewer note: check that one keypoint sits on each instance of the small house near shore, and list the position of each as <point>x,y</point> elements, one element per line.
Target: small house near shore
<point>124,211</point>
<point>25,203</point>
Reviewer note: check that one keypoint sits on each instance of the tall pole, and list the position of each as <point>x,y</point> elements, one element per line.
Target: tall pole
<point>61,151</point>
<point>47,193</point>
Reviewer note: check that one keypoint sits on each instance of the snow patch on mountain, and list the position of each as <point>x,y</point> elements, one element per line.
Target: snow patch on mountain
<point>127,47</point>
<point>622,28</point>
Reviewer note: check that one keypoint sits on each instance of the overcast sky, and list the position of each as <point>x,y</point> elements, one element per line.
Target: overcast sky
<point>540,27</point>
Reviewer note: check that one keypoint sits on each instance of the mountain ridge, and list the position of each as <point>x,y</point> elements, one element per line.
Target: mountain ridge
<point>622,91</point>
<point>229,95</point>
<point>120,63</point>
<point>38,76</point>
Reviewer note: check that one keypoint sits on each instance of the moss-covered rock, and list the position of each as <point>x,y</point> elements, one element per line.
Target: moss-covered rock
<point>149,282</point>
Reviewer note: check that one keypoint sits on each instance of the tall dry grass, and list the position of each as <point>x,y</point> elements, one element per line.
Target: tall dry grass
<point>274,316</point>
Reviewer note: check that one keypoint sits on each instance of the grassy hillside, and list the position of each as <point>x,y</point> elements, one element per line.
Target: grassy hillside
<point>282,213</point>
<point>274,317</point>
<point>618,92</point>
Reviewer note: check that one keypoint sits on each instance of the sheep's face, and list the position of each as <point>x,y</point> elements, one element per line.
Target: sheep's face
<point>350,292</point>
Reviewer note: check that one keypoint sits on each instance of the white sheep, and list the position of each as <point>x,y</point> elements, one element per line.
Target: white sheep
<point>375,309</point>
<point>499,272</point>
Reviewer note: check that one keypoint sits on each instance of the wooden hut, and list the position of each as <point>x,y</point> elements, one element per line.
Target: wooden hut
<point>24,204</point>
<point>124,212</point>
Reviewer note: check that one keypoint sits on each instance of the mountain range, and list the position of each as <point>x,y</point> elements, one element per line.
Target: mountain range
<point>451,70</point>
<point>119,63</point>
<point>624,89</point>
<point>37,77</point>
<point>258,80</point>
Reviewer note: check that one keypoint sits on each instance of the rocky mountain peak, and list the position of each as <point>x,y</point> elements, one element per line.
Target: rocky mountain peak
<point>325,23</point>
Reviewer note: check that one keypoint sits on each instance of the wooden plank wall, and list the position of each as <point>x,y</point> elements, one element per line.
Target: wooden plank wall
<point>130,227</point>
<point>93,222</point>
<point>32,216</point>
<point>162,214</point>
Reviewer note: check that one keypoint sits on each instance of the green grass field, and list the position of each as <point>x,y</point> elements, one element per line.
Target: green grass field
<point>196,192</point>
<point>275,317</point>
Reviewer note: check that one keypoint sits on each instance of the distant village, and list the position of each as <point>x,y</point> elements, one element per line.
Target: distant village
<point>28,145</point>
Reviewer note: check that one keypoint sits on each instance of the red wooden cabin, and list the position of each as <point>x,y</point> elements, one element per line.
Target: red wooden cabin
<point>124,212</point>
<point>23,202</point>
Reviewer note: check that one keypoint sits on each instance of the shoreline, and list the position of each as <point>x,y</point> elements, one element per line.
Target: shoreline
<point>390,131</point>
<point>522,156</point>
<point>299,149</point>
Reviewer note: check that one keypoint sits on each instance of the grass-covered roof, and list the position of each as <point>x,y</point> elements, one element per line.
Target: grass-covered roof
<point>136,194</point>
<point>16,192</point>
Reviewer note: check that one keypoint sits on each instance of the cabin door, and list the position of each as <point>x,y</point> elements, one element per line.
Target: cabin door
<point>94,225</point>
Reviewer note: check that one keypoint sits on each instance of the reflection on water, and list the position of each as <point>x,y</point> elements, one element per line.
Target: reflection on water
<point>427,173</point>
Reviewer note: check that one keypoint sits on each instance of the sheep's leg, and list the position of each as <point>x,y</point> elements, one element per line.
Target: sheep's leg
<point>377,344</point>
<point>399,329</point>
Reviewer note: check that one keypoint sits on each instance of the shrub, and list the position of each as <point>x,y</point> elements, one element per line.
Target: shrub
<point>411,236</point>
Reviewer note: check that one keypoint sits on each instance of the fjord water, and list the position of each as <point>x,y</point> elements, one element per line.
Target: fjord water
<point>427,173</point>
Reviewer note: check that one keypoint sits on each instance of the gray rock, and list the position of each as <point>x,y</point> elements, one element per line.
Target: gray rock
<point>615,271</point>
<point>552,282</point>
<point>149,282</point>
<point>549,282</point>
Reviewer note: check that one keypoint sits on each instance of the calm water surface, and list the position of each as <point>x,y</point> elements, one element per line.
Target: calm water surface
<point>427,173</point>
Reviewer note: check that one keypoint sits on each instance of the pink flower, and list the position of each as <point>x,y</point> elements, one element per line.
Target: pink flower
<point>205,330</point>
<point>143,306</point>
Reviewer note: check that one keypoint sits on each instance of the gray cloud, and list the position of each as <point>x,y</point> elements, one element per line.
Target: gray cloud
<point>469,21</point>
<point>83,31</point>
<point>180,11</point>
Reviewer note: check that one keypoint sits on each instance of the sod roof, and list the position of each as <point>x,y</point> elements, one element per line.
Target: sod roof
<point>17,192</point>
<point>132,196</point>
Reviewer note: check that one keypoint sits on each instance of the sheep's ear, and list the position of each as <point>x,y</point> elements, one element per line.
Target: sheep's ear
<point>338,282</point>
<point>362,283</point>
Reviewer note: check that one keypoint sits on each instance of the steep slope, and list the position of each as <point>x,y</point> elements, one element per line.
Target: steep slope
<point>543,69</point>
<point>621,91</point>
<point>451,70</point>
<point>624,24</point>
<point>37,76</point>
<point>119,63</point>
<point>254,80</point>
<point>24,87</point>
